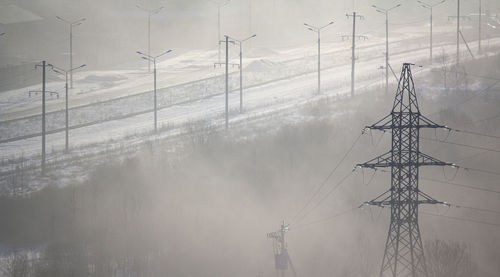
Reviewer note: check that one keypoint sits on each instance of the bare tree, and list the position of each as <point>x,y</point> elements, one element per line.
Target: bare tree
<point>448,259</point>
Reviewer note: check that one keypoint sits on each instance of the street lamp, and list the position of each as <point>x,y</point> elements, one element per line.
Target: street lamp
<point>150,13</point>
<point>220,4</point>
<point>240,42</point>
<point>153,59</point>
<point>65,73</point>
<point>71,25</point>
<point>318,31</point>
<point>429,6</point>
<point>386,12</point>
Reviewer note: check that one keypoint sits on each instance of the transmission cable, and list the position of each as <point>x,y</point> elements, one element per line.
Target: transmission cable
<point>475,133</point>
<point>475,209</point>
<point>464,145</point>
<point>324,197</point>
<point>463,219</point>
<point>322,184</point>
<point>468,99</point>
<point>326,218</point>
<point>460,185</point>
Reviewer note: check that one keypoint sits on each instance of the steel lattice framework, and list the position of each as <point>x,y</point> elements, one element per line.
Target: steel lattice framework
<point>404,254</point>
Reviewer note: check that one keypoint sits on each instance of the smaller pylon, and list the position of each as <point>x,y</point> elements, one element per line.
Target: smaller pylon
<point>281,256</point>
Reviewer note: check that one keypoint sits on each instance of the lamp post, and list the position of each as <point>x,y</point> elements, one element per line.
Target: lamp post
<point>318,31</point>
<point>150,13</point>
<point>65,73</point>
<point>220,4</point>
<point>71,25</point>
<point>153,59</point>
<point>386,13</point>
<point>240,42</point>
<point>430,7</point>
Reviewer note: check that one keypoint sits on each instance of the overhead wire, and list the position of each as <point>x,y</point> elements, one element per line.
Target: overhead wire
<point>325,219</point>
<point>463,219</point>
<point>475,209</point>
<point>334,188</point>
<point>476,133</point>
<point>468,99</point>
<point>324,182</point>
<point>463,145</point>
<point>460,185</point>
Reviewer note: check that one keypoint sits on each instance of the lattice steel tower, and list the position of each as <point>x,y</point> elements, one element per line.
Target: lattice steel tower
<point>404,255</point>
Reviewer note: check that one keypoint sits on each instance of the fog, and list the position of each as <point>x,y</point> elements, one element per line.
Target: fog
<point>196,199</point>
<point>116,29</point>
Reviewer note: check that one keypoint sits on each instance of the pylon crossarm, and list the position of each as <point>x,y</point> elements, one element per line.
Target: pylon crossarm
<point>383,124</point>
<point>427,199</point>
<point>384,160</point>
<point>427,123</point>
<point>425,159</point>
<point>382,200</point>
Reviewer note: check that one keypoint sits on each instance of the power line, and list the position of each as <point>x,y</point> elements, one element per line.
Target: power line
<point>322,184</point>
<point>475,133</point>
<point>460,185</point>
<point>326,218</point>
<point>464,145</point>
<point>325,196</point>
<point>468,99</point>
<point>480,170</point>
<point>476,209</point>
<point>462,219</point>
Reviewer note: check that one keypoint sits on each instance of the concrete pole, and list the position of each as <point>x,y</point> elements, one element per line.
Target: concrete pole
<point>227,82</point>
<point>71,52</point>
<point>479,27</point>
<point>155,97</point>
<point>319,61</point>
<point>458,32</point>
<point>241,78</point>
<point>353,53</point>
<point>43,117</point>
<point>218,29</point>
<point>386,52</point>
<point>149,40</point>
<point>431,39</point>
<point>67,116</point>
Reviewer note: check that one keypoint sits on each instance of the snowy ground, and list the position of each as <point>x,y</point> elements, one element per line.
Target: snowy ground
<point>110,109</point>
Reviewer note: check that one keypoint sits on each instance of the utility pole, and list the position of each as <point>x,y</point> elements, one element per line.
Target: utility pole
<point>386,13</point>
<point>43,65</point>
<point>458,32</point>
<point>318,31</point>
<point>404,254</point>
<point>240,42</point>
<point>430,7</point>
<point>220,4</point>
<point>65,73</point>
<point>479,27</point>
<point>353,57</point>
<point>155,104</point>
<point>227,82</point>
<point>150,13</point>
<point>226,64</point>
<point>71,25</point>
<point>458,17</point>
<point>281,256</point>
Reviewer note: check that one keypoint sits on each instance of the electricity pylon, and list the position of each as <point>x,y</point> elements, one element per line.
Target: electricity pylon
<point>404,255</point>
<point>281,257</point>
